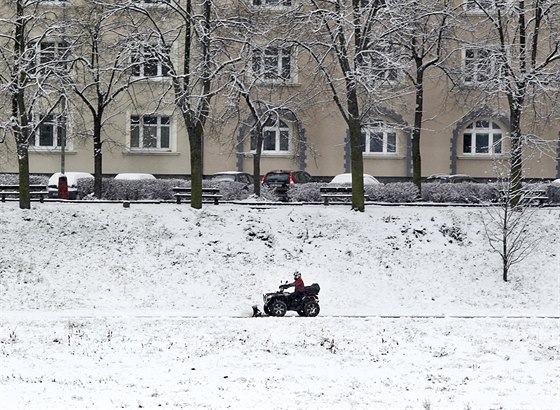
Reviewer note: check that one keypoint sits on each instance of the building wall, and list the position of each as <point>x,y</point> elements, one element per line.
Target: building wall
<point>319,130</point>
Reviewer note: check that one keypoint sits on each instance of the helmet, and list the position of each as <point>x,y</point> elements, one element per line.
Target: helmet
<point>297,275</point>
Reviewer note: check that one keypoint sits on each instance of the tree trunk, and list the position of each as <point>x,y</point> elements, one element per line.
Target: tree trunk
<point>196,134</point>
<point>23,166</point>
<point>356,155</point>
<point>516,174</point>
<point>416,132</point>
<point>257,163</point>
<point>97,157</point>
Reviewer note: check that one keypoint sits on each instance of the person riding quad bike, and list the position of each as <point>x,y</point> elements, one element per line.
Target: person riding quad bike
<point>304,300</point>
<point>299,289</point>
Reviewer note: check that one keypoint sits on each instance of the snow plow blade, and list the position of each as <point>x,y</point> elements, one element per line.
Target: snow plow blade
<point>256,311</point>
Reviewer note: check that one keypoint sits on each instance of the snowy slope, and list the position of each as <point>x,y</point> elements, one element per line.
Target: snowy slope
<point>107,307</point>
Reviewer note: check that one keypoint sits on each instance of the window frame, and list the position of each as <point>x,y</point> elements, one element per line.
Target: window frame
<point>260,65</point>
<point>43,66</point>
<point>139,60</point>
<point>58,125</point>
<point>471,76</point>
<point>139,122</point>
<point>386,76</point>
<point>387,131</point>
<point>491,130</point>
<point>275,127</point>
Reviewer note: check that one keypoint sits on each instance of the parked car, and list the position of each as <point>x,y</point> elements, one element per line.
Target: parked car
<point>232,176</point>
<point>72,180</point>
<point>556,182</point>
<point>131,176</point>
<point>280,181</point>
<point>280,178</point>
<point>346,179</point>
<point>454,179</point>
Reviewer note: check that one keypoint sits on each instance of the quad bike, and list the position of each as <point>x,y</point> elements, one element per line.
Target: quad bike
<point>278,303</point>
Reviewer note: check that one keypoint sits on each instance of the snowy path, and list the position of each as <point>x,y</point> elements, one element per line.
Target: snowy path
<point>279,363</point>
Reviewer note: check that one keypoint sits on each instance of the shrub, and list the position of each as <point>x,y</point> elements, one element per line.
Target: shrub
<point>464,192</point>
<point>553,193</point>
<point>398,192</point>
<point>13,179</point>
<point>305,192</point>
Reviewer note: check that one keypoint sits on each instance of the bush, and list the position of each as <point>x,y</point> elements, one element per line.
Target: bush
<point>553,193</point>
<point>13,179</point>
<point>397,192</point>
<point>464,192</point>
<point>309,192</point>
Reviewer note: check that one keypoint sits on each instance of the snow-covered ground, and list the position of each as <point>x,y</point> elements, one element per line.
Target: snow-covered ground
<point>109,307</point>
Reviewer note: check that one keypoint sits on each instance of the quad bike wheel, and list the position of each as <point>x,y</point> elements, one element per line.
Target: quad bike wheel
<point>266,309</point>
<point>311,309</point>
<point>278,308</point>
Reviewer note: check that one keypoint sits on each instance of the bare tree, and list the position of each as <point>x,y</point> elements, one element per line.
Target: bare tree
<point>103,68</point>
<point>345,44</point>
<point>35,71</point>
<point>506,223</point>
<point>195,29</point>
<point>421,34</point>
<point>515,54</point>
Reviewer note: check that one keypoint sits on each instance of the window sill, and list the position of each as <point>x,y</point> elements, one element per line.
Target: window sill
<point>269,155</point>
<point>383,156</point>
<point>149,152</point>
<point>273,83</point>
<point>484,157</point>
<point>54,151</point>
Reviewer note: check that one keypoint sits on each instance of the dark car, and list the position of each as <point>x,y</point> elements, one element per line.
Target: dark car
<point>453,179</point>
<point>279,178</point>
<point>232,176</point>
<point>281,181</point>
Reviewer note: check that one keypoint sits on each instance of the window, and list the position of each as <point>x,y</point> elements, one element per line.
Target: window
<point>272,64</point>
<point>379,138</point>
<point>276,137</point>
<point>50,132</point>
<point>380,64</point>
<point>480,5</point>
<point>482,137</point>
<point>480,65</point>
<point>272,3</point>
<point>149,132</point>
<point>50,56</point>
<point>147,62</point>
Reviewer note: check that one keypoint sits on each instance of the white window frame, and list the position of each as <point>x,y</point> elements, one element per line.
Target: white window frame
<point>488,6</point>
<point>273,4</point>
<point>58,129</point>
<point>480,67</point>
<point>274,56</point>
<point>275,131</point>
<point>483,128</point>
<point>375,65</point>
<point>385,133</point>
<point>140,60</point>
<point>46,60</point>
<point>161,124</point>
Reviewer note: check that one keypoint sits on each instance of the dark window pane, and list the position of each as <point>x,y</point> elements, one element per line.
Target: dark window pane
<point>164,137</point>
<point>376,142</point>
<point>497,143</point>
<point>467,143</point>
<point>269,141</point>
<point>363,141</point>
<point>284,140</point>
<point>482,143</point>
<point>46,135</point>
<point>391,142</point>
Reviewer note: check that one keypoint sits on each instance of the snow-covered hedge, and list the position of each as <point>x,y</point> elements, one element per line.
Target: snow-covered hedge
<point>398,192</point>
<point>465,192</point>
<point>13,179</point>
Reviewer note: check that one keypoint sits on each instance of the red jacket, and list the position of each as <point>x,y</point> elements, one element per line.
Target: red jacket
<point>298,284</point>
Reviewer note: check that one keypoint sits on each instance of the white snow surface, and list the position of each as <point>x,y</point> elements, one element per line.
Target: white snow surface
<point>106,307</point>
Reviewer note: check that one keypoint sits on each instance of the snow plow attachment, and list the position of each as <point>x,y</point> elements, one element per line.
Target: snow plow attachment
<point>256,311</point>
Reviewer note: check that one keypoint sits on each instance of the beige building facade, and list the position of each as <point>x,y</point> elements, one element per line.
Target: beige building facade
<point>143,131</point>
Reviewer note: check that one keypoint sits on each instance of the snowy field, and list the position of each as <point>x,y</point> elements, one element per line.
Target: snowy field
<point>149,307</point>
